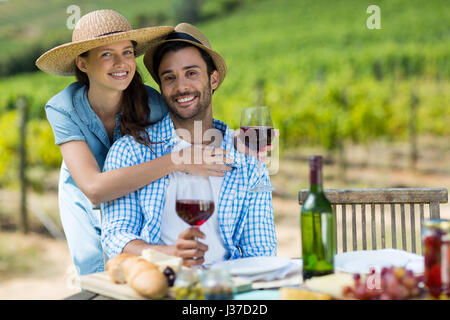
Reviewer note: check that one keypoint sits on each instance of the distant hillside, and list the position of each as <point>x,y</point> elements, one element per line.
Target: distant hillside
<point>23,21</point>
<point>40,24</point>
<point>312,33</point>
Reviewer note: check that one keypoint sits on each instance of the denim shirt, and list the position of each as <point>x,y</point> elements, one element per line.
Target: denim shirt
<point>72,118</point>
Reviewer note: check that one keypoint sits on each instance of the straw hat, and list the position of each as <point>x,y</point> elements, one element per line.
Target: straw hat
<point>186,32</point>
<point>93,30</point>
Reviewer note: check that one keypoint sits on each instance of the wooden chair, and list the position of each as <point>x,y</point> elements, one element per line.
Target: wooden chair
<point>423,203</point>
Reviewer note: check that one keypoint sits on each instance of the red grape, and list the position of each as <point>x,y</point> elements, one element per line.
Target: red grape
<point>394,283</point>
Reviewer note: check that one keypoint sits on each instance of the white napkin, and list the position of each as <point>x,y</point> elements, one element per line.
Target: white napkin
<point>363,261</point>
<point>294,266</point>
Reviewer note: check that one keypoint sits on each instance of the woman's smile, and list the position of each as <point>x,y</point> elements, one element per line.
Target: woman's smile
<point>111,66</point>
<point>119,75</point>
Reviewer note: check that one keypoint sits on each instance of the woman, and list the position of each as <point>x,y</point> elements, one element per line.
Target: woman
<point>108,100</point>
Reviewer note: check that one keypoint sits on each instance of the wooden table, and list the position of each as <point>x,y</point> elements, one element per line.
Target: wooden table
<point>98,286</point>
<point>86,295</point>
<point>263,294</point>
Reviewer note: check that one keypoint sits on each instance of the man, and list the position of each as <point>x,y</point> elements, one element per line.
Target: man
<point>188,71</point>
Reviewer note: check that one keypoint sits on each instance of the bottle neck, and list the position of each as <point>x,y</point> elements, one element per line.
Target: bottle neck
<point>316,188</point>
<point>315,179</point>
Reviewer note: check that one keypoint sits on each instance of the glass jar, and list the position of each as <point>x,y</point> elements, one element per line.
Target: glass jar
<point>217,284</point>
<point>187,285</point>
<point>436,248</point>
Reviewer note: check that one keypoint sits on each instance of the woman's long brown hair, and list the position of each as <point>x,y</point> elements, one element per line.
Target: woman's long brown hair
<point>135,110</point>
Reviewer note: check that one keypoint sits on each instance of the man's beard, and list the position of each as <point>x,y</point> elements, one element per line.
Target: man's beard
<point>203,102</point>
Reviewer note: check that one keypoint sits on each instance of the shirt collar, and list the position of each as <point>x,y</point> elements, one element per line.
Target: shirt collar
<point>89,117</point>
<point>82,106</point>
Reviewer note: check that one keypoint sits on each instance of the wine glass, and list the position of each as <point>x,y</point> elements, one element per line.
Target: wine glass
<point>257,131</point>
<point>194,199</point>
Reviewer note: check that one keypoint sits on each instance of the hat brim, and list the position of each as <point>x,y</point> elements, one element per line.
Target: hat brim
<point>61,59</point>
<point>219,62</point>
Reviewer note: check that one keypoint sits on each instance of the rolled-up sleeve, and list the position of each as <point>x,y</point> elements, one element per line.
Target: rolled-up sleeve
<point>121,218</point>
<point>64,128</point>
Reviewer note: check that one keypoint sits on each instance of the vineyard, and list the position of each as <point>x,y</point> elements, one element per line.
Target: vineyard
<point>328,79</point>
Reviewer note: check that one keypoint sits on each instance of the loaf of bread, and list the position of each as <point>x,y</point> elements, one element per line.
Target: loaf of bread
<point>141,275</point>
<point>132,265</point>
<point>149,283</point>
<point>115,270</point>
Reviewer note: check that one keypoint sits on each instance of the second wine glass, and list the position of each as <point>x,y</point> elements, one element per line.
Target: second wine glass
<point>194,199</point>
<point>257,131</point>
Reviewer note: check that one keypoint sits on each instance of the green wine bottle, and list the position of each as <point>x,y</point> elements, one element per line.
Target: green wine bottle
<point>317,226</point>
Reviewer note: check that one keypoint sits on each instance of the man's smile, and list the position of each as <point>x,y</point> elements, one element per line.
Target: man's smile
<point>185,100</point>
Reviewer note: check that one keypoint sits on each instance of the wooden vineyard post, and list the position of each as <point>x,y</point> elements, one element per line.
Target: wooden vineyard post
<point>260,92</point>
<point>413,153</point>
<point>22,108</point>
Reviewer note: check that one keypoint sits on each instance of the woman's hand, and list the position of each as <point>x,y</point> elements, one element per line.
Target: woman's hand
<point>241,145</point>
<point>202,160</point>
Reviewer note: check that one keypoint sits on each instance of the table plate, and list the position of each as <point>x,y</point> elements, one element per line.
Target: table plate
<point>252,265</point>
<point>364,261</point>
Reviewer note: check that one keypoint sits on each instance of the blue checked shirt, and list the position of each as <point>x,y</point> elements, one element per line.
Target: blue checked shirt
<point>246,219</point>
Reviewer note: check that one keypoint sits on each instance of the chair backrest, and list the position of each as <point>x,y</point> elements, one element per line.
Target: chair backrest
<point>423,203</point>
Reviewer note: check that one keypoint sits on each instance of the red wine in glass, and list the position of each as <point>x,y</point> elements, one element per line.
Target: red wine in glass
<point>257,137</point>
<point>194,212</point>
<point>257,132</point>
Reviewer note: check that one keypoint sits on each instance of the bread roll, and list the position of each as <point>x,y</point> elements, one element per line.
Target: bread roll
<point>114,268</point>
<point>133,267</point>
<point>141,275</point>
<point>150,283</point>
<point>128,263</point>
